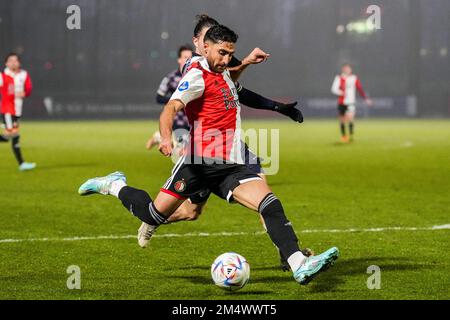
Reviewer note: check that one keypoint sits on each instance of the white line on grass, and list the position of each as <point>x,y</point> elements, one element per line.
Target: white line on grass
<point>226,234</point>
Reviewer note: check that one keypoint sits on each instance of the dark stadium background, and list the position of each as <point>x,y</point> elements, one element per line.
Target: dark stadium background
<point>113,65</point>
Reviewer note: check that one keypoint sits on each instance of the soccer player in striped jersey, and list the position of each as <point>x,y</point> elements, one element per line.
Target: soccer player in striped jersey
<point>208,94</point>
<point>191,210</point>
<point>15,86</point>
<point>345,86</point>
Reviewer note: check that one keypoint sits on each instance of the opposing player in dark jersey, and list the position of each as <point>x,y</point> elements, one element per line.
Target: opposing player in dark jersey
<point>165,90</point>
<point>208,94</point>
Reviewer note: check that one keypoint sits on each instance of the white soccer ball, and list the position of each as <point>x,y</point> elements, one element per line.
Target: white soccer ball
<point>230,271</point>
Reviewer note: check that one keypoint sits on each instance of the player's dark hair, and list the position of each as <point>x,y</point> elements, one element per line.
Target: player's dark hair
<point>12,54</point>
<point>221,33</point>
<point>203,21</point>
<point>184,48</point>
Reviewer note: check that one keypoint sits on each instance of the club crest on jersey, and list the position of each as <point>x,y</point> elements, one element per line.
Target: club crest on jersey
<point>180,186</point>
<point>184,86</point>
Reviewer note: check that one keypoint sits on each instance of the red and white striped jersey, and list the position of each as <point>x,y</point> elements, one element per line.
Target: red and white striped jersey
<point>213,110</point>
<point>10,84</point>
<point>345,88</point>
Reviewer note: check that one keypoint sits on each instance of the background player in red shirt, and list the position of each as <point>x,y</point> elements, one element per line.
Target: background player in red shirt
<point>345,86</point>
<point>15,85</point>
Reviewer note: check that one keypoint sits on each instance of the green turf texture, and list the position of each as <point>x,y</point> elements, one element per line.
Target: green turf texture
<point>395,174</point>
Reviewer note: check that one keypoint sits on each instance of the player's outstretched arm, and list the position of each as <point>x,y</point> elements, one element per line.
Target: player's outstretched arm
<point>165,125</point>
<point>257,101</point>
<point>255,57</point>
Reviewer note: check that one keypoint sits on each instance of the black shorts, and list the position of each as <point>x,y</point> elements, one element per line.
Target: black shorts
<point>252,161</point>
<point>198,181</point>
<point>342,109</point>
<point>11,122</point>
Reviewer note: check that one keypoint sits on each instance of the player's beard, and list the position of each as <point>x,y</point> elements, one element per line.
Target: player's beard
<point>220,68</point>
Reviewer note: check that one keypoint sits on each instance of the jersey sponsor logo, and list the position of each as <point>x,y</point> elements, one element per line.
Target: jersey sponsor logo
<point>180,186</point>
<point>229,99</point>
<point>184,86</point>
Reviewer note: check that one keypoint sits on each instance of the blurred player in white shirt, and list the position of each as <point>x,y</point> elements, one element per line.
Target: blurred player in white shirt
<point>345,86</point>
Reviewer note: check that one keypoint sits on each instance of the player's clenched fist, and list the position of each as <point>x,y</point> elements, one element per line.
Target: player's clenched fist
<point>256,56</point>
<point>166,147</point>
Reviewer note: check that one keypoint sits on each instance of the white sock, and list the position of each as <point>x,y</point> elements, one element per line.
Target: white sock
<point>296,260</point>
<point>116,186</point>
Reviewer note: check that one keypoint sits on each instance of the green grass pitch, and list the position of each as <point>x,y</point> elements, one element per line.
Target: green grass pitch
<point>396,174</point>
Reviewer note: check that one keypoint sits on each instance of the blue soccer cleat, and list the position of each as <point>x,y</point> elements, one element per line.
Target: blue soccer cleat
<point>314,265</point>
<point>101,185</point>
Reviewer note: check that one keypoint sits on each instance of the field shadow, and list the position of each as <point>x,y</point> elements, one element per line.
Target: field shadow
<point>195,279</point>
<point>207,280</point>
<point>203,267</point>
<point>326,281</point>
<point>65,166</point>
<point>340,144</point>
<point>248,292</point>
<point>344,268</point>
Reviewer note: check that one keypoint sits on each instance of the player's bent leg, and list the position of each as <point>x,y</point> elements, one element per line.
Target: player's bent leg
<point>281,231</point>
<point>160,210</point>
<point>257,196</point>
<point>138,202</point>
<point>342,123</point>
<point>351,121</point>
<point>187,212</point>
<point>251,194</point>
<point>15,145</point>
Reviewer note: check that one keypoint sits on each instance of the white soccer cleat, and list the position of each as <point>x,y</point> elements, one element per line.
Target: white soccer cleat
<point>145,234</point>
<point>101,185</point>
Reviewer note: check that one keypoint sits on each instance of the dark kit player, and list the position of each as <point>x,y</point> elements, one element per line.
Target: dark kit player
<point>215,164</point>
<point>167,87</point>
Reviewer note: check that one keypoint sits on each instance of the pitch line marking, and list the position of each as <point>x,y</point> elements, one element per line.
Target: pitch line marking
<point>225,234</point>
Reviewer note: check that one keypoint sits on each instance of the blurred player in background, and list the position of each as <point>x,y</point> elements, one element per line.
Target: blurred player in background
<point>167,87</point>
<point>15,85</point>
<point>345,86</point>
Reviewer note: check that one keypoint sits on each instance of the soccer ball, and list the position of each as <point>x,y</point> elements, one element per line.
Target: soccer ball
<point>230,271</point>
